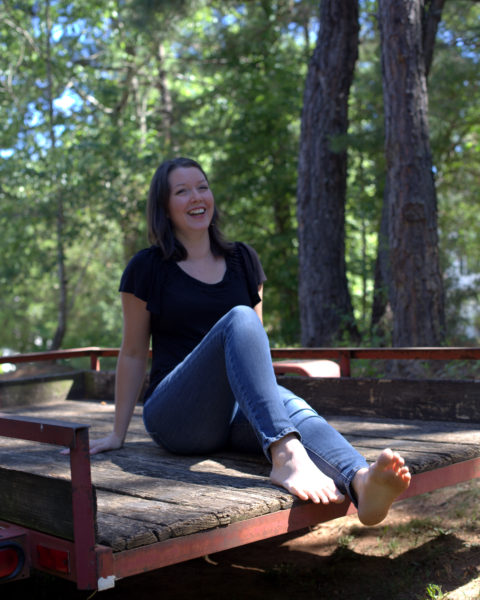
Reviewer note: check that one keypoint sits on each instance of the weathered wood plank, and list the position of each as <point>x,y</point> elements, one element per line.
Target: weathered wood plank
<point>441,400</point>
<point>39,502</point>
<point>123,533</point>
<point>441,431</point>
<point>128,520</point>
<point>145,494</point>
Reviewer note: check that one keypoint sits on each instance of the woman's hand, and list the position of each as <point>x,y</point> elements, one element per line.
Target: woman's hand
<point>110,442</point>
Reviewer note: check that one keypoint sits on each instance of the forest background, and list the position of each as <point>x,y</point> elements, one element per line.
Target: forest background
<point>95,94</point>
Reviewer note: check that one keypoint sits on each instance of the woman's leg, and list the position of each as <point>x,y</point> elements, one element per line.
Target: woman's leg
<point>321,468</point>
<point>326,466</point>
<point>331,453</point>
<point>191,410</point>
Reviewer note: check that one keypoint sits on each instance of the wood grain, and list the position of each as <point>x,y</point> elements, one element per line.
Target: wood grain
<point>145,495</point>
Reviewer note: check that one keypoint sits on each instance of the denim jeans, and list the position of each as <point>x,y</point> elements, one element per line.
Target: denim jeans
<point>224,394</point>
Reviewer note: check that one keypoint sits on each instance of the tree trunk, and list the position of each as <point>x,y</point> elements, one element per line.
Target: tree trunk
<point>416,284</point>
<point>326,312</point>
<point>431,16</point>
<point>57,195</point>
<point>166,103</point>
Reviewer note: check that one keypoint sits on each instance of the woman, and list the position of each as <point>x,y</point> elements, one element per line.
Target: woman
<point>212,383</point>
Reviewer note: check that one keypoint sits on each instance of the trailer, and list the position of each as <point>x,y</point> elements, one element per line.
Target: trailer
<point>97,519</point>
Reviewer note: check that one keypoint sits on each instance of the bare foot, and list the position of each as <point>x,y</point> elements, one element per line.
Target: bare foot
<point>379,485</point>
<point>293,469</point>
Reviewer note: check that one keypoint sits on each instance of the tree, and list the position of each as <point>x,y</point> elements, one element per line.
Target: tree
<point>326,311</point>
<point>134,82</point>
<point>416,282</point>
<point>383,289</point>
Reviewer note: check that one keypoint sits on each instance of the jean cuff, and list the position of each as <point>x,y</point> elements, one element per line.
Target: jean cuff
<point>348,484</point>
<point>268,441</point>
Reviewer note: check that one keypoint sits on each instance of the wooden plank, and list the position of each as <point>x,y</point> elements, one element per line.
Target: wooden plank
<point>418,462</point>
<point>441,431</point>
<point>229,502</point>
<point>39,389</point>
<point>146,495</point>
<point>120,533</point>
<point>441,400</point>
<point>38,502</point>
<point>128,521</point>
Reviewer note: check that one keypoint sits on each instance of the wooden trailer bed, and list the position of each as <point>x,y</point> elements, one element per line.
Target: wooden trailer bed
<point>154,509</point>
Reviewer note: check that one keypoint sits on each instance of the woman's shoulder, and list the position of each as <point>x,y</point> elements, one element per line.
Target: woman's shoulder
<point>150,254</point>
<point>141,271</point>
<point>146,259</point>
<point>246,249</point>
<point>251,260</point>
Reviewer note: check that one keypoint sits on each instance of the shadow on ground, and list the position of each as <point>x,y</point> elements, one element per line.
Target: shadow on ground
<point>269,569</point>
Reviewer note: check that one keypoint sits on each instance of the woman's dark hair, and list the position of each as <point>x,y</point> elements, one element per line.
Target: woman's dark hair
<point>160,230</point>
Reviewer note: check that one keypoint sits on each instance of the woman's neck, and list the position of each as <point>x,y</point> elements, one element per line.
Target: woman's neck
<point>198,248</point>
<point>201,263</point>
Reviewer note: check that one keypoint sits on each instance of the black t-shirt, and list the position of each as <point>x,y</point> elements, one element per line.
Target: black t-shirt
<point>183,309</point>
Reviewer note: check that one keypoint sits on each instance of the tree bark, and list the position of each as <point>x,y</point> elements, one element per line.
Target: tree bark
<point>58,195</point>
<point>326,312</point>
<point>432,14</point>
<point>380,324</point>
<point>380,328</point>
<point>416,282</point>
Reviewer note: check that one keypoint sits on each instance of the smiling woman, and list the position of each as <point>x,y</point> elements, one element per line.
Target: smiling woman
<point>212,383</point>
<point>176,182</point>
<point>191,203</point>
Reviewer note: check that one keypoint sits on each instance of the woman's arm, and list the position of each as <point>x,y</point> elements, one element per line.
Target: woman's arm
<point>258,308</point>
<point>130,373</point>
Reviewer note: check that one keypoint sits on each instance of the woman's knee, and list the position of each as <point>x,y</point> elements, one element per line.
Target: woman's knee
<point>299,410</point>
<point>244,320</point>
<point>242,313</point>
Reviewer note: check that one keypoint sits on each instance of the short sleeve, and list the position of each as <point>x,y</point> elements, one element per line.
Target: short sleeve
<point>256,265</point>
<point>253,270</point>
<point>136,277</point>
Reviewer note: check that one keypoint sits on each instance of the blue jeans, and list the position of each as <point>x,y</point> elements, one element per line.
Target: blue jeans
<point>224,394</point>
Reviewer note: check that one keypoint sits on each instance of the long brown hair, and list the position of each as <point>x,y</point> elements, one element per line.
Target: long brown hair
<point>160,230</point>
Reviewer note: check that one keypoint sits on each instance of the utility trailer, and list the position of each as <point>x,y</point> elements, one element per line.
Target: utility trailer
<point>96,519</point>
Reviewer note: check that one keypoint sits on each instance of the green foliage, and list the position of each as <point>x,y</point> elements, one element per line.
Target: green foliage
<point>434,592</point>
<point>455,132</point>
<point>136,82</point>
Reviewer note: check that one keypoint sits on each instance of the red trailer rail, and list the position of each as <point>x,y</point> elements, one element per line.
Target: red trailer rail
<point>75,560</point>
<point>95,566</point>
<point>299,360</point>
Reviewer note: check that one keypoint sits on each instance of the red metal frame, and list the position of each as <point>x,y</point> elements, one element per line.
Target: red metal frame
<point>96,567</point>
<point>75,437</point>
<point>343,355</point>
<point>175,550</point>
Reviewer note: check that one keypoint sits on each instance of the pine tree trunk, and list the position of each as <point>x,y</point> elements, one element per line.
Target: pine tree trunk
<point>57,197</point>
<point>416,285</point>
<point>325,306</point>
<point>380,327</point>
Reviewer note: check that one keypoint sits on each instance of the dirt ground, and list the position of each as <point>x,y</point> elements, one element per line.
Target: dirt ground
<point>427,548</point>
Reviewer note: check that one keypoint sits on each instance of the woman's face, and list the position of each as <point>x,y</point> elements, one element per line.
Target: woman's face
<point>191,203</point>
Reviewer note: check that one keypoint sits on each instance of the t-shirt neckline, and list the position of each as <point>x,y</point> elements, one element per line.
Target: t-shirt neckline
<point>199,281</point>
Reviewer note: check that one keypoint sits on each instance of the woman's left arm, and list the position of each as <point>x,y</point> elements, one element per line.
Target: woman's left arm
<point>258,308</point>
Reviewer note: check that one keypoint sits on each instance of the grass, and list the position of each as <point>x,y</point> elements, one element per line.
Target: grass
<point>433,592</point>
